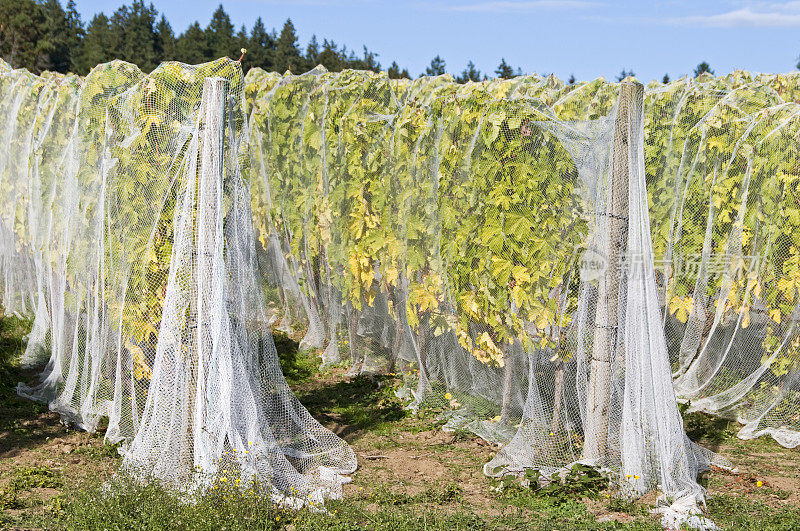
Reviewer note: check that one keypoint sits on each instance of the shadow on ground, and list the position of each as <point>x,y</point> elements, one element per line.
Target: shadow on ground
<point>23,424</point>
<point>352,407</point>
<point>348,406</point>
<point>707,430</point>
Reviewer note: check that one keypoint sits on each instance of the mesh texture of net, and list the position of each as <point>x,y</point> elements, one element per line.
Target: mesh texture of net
<point>553,266</point>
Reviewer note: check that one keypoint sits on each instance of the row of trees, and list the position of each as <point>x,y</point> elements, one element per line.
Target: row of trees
<point>701,68</point>
<point>470,73</point>
<point>43,35</point>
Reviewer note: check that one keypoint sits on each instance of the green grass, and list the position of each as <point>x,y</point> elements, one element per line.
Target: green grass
<point>383,495</point>
<point>360,404</point>
<point>746,513</point>
<point>133,506</point>
<point>15,412</point>
<point>129,505</point>
<point>150,507</point>
<point>297,367</point>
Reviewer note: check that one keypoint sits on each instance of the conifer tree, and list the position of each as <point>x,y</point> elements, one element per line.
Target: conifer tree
<point>287,52</point>
<point>21,37</point>
<point>703,68</point>
<point>241,40</point>
<point>436,68</point>
<point>260,47</point>
<point>75,32</point>
<point>312,52</point>
<point>98,46</point>
<point>504,70</point>
<point>470,73</point>
<point>625,73</point>
<point>134,27</point>
<point>192,47</point>
<point>219,35</point>
<point>394,72</point>
<point>58,39</point>
<point>368,61</point>
<point>166,43</point>
<point>330,57</point>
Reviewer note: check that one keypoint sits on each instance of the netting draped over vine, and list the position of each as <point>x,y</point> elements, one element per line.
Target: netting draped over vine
<point>549,265</point>
<point>719,166</point>
<point>434,229</point>
<point>127,230</point>
<point>723,205</point>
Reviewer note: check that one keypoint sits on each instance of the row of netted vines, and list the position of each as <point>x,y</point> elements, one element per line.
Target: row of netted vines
<point>538,260</point>
<point>126,231</point>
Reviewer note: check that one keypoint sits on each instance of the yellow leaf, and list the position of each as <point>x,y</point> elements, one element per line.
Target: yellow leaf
<point>425,300</point>
<point>464,340</point>
<point>140,367</point>
<point>517,294</point>
<point>681,307</point>
<point>391,275</point>
<point>354,266</point>
<point>470,305</point>
<point>412,318</point>
<point>521,274</point>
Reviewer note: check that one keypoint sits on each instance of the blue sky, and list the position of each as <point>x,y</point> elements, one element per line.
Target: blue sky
<point>587,38</point>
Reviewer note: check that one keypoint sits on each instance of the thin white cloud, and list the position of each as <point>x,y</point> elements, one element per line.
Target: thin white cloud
<point>794,5</point>
<point>516,7</point>
<point>781,16</point>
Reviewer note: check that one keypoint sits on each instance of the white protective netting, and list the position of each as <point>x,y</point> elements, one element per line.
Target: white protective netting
<point>549,265</point>
<point>722,163</point>
<point>127,231</point>
<point>445,231</point>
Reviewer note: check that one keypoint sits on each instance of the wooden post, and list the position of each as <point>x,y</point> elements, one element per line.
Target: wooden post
<point>558,399</point>
<point>508,380</point>
<point>208,249</point>
<point>628,124</point>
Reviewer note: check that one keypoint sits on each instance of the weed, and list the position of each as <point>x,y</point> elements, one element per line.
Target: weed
<point>450,493</point>
<point>102,451</point>
<point>626,505</point>
<point>577,482</point>
<point>127,504</point>
<point>297,366</point>
<point>747,513</point>
<point>31,477</point>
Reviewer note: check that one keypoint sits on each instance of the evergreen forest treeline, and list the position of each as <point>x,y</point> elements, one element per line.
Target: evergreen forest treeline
<point>45,35</point>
